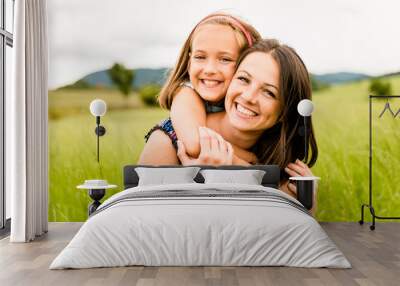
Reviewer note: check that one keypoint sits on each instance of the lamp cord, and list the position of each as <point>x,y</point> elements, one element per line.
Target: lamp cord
<point>305,140</point>
<point>98,153</point>
<point>97,133</point>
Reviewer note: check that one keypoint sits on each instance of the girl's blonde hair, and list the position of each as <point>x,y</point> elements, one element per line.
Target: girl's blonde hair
<point>245,35</point>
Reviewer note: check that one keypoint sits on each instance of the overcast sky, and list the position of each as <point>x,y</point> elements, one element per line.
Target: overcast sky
<point>331,36</point>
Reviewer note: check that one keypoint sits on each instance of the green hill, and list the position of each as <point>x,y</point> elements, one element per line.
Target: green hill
<point>102,79</point>
<point>145,76</point>
<point>339,77</point>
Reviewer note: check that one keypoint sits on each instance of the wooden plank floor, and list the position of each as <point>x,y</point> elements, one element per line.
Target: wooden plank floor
<point>374,255</point>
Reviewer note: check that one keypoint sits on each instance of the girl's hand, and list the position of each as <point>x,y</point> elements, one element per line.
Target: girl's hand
<point>239,161</point>
<point>214,150</point>
<point>300,169</point>
<point>243,157</point>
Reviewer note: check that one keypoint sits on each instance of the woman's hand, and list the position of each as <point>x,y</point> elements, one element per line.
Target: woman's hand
<point>214,150</point>
<point>299,169</point>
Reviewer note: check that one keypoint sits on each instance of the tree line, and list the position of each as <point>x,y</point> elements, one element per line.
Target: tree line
<point>122,79</point>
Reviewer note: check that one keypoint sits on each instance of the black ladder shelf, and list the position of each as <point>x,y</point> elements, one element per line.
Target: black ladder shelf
<point>370,206</point>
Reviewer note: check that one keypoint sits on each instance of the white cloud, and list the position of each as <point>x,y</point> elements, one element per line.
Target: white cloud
<point>90,35</point>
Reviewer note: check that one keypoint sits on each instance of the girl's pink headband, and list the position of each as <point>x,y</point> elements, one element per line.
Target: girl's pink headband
<point>233,21</point>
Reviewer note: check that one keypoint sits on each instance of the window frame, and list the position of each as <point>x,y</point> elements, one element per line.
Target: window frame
<point>6,39</point>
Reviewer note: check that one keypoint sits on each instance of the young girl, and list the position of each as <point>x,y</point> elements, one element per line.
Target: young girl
<point>198,83</point>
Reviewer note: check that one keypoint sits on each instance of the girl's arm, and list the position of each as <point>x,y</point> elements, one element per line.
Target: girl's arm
<point>215,150</point>
<point>158,150</point>
<point>187,115</point>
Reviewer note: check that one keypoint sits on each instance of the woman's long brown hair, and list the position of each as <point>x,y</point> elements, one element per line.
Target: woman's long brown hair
<point>283,143</point>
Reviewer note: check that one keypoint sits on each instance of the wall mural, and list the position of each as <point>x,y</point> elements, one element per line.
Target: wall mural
<point>212,88</point>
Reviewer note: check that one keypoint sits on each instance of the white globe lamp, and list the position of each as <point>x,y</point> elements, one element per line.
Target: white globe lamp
<point>98,108</point>
<point>305,108</point>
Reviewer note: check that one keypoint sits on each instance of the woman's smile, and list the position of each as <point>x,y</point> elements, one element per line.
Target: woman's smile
<point>243,111</point>
<point>251,101</point>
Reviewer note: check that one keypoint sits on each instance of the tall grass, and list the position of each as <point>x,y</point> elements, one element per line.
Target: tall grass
<point>73,156</point>
<point>340,122</point>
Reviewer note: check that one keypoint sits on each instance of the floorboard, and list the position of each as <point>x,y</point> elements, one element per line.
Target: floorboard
<point>374,255</point>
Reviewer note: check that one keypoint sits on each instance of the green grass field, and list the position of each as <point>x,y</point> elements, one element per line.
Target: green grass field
<point>340,123</point>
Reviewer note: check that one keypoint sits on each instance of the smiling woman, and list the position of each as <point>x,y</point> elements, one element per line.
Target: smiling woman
<point>252,101</point>
<point>270,81</point>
